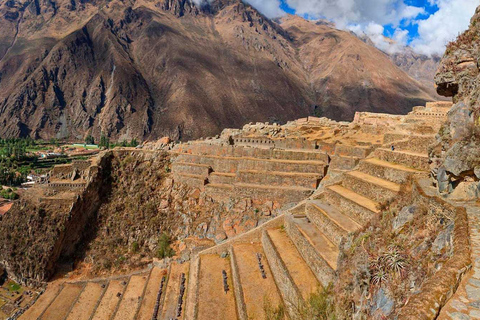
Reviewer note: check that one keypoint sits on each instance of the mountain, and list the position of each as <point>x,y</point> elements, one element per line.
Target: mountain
<point>418,66</point>
<point>144,69</point>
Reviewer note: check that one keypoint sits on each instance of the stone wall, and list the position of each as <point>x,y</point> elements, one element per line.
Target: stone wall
<point>319,266</point>
<point>376,119</point>
<point>289,291</point>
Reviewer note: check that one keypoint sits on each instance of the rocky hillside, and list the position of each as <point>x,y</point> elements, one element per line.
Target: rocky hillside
<point>118,222</point>
<point>457,153</point>
<point>144,69</point>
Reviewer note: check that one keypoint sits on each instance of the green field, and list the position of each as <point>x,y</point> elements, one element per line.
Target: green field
<point>88,146</point>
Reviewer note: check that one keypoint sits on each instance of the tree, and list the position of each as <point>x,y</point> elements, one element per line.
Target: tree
<point>104,141</point>
<point>89,139</point>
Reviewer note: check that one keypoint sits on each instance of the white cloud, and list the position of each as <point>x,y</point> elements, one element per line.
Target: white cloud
<point>375,32</point>
<point>358,12</point>
<point>270,8</point>
<point>445,25</point>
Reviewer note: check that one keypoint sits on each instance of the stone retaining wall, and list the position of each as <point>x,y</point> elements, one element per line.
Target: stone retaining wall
<point>65,186</point>
<point>287,288</point>
<point>248,237</point>
<point>237,287</point>
<point>322,271</point>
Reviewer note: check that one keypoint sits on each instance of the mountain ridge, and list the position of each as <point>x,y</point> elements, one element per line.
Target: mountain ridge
<point>144,69</point>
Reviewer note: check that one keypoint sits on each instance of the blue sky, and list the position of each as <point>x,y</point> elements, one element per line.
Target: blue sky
<point>425,25</point>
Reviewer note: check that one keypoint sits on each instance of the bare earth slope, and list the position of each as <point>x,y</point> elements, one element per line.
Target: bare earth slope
<point>145,69</point>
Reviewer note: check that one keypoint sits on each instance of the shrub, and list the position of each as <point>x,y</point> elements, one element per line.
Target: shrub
<point>135,247</point>
<point>320,305</point>
<point>272,313</point>
<point>164,250</point>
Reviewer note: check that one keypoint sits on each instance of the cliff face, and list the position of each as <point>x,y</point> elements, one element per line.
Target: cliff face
<point>144,69</point>
<point>35,234</point>
<point>457,152</point>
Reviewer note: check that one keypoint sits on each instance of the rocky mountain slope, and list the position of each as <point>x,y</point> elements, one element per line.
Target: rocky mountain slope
<point>145,69</point>
<point>420,67</point>
<point>457,153</point>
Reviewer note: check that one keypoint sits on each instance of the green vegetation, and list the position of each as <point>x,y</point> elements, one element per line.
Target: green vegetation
<point>8,194</point>
<point>319,306</point>
<point>164,250</point>
<point>15,160</point>
<point>271,312</point>
<point>13,286</point>
<point>89,140</point>
<point>135,247</point>
<point>104,141</point>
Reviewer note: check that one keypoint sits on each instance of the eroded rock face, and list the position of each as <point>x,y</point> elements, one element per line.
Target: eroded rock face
<point>458,77</point>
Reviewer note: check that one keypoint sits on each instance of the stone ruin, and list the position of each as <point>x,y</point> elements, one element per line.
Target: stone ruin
<point>330,179</point>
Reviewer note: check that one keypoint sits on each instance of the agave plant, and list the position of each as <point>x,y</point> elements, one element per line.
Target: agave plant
<point>379,276</point>
<point>378,271</point>
<point>395,261</point>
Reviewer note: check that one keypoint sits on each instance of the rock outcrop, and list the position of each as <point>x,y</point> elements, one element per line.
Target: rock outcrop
<point>457,151</point>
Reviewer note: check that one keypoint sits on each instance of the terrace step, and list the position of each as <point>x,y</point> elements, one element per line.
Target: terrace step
<point>297,268</point>
<point>193,180</point>
<point>221,178</point>
<point>396,173</point>
<point>42,303</point>
<point>131,298</point>
<point>60,307</point>
<point>372,187</point>
<point>232,164</point>
<point>257,290</point>
<point>151,293</point>
<point>288,194</point>
<point>353,151</point>
<point>213,301</point>
<point>289,291</point>
<point>191,168</point>
<point>282,165</point>
<point>330,221</point>
<point>172,292</point>
<point>409,142</point>
<point>276,178</point>
<point>110,300</point>
<point>356,206</point>
<point>318,252</point>
<point>343,162</point>
<point>86,302</point>
<point>419,161</point>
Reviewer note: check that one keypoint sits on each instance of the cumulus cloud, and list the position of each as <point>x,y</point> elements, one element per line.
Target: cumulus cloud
<point>449,21</point>
<point>375,32</point>
<point>270,8</point>
<point>358,12</point>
